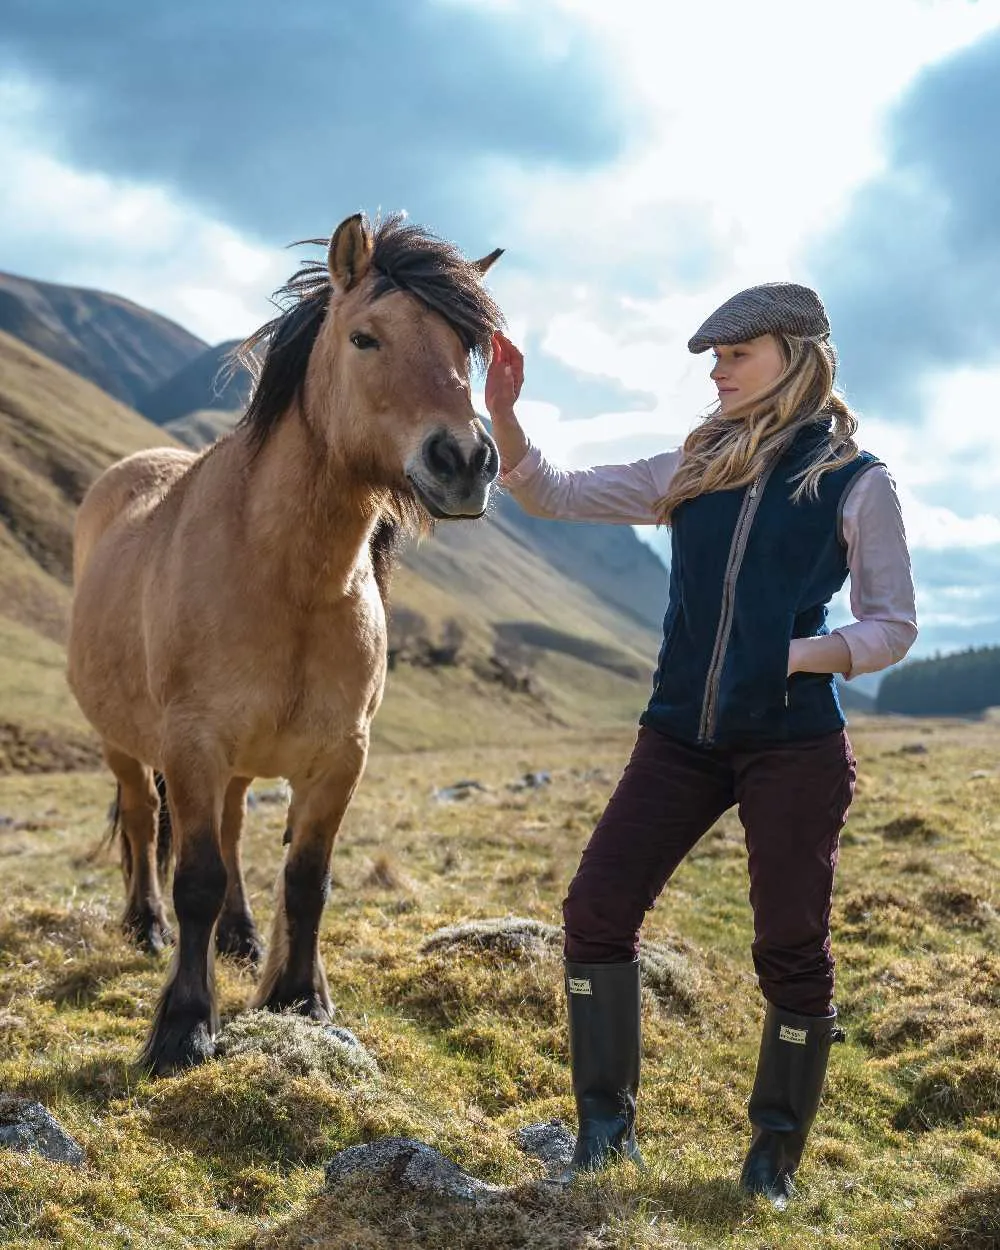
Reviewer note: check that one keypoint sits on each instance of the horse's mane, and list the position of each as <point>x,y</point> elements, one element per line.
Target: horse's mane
<point>404,257</point>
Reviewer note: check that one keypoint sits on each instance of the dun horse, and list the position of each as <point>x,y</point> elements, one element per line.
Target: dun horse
<point>228,617</point>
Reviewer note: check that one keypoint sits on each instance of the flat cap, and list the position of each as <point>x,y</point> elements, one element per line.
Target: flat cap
<point>772,308</point>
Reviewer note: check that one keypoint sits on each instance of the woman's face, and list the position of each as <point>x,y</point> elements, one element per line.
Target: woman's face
<point>744,370</point>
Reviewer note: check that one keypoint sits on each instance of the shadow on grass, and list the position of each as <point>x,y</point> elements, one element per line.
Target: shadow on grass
<point>372,1213</point>
<point>969,1221</point>
<point>714,1203</point>
<point>98,1082</point>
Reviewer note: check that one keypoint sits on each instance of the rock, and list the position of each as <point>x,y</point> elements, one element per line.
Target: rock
<point>281,793</point>
<point>531,781</point>
<point>344,1035</point>
<point>510,935</point>
<point>552,1142</point>
<point>460,790</point>
<point>912,748</point>
<point>26,1125</point>
<point>405,1161</point>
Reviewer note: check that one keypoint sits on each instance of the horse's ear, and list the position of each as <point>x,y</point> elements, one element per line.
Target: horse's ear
<point>487,262</point>
<point>350,253</point>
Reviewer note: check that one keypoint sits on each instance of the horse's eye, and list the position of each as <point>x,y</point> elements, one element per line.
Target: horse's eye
<point>364,342</point>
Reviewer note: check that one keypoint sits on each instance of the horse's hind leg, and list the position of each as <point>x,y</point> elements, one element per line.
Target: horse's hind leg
<point>186,1016</point>
<point>144,920</point>
<point>236,933</point>
<point>293,975</point>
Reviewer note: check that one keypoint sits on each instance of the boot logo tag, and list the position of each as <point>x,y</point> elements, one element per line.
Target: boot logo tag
<point>798,1036</point>
<point>580,985</point>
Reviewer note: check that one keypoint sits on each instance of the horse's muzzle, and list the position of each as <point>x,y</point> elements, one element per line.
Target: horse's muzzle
<point>453,481</point>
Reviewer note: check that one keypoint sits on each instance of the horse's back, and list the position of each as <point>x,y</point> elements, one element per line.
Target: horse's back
<point>133,484</point>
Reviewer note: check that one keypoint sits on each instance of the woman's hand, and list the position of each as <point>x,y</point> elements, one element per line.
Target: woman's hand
<point>503,386</point>
<point>504,379</point>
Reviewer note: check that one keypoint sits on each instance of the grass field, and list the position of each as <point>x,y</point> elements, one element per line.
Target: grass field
<point>471,1045</point>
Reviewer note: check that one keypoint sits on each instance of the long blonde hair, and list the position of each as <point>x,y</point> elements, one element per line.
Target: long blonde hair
<point>730,450</point>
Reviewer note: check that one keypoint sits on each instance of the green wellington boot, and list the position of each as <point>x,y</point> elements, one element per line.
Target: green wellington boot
<point>790,1072</point>
<point>603,1003</point>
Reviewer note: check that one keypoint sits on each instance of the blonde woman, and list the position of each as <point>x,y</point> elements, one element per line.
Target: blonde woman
<point>771,507</point>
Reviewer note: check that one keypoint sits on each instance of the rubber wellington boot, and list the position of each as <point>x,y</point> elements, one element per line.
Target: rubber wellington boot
<point>603,1003</point>
<point>790,1073</point>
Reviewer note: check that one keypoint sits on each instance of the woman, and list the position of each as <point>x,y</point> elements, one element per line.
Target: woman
<point>771,505</point>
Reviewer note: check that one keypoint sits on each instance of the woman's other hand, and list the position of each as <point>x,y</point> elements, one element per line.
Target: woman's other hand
<point>503,386</point>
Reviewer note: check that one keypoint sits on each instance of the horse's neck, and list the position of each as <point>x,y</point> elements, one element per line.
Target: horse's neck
<point>308,523</point>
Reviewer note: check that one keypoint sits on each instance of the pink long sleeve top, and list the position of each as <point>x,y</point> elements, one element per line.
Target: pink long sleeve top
<point>881,582</point>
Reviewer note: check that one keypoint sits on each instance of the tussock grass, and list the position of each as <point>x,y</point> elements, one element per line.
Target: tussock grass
<point>446,964</point>
<point>298,1045</point>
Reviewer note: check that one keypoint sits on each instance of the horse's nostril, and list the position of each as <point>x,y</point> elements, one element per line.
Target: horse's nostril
<point>443,456</point>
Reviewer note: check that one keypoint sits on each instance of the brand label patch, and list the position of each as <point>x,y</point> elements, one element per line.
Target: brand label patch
<point>580,985</point>
<point>798,1036</point>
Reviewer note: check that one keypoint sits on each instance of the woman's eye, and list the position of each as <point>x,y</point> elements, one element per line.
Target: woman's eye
<point>364,342</point>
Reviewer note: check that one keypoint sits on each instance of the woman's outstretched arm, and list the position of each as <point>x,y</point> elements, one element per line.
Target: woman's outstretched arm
<point>626,494</point>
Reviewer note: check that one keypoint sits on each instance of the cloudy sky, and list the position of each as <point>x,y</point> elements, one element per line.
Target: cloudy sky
<point>640,162</point>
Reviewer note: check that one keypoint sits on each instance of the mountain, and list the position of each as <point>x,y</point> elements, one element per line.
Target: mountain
<point>207,383</point>
<point>123,348</point>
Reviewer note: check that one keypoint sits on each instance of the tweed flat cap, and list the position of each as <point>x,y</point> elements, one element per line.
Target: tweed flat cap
<point>771,308</point>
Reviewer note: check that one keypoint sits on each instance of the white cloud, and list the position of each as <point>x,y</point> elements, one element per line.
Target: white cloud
<point>86,229</point>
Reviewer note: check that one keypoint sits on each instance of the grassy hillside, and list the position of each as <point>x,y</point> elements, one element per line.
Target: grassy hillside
<point>57,433</point>
<point>198,429</point>
<point>123,348</point>
<point>471,1042</point>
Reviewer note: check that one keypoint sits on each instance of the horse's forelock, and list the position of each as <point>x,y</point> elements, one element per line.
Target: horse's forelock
<point>407,257</point>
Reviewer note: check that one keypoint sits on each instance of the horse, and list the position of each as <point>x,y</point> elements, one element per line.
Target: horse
<point>229,618</point>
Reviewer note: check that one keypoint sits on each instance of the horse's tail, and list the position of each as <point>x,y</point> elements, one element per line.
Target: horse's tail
<point>116,832</point>
<point>164,832</point>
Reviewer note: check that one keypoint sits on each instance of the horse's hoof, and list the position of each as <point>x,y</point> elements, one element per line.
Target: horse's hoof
<point>308,1004</point>
<point>177,1045</point>
<point>239,938</point>
<point>149,932</point>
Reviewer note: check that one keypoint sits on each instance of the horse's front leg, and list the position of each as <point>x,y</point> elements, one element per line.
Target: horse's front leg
<point>293,975</point>
<point>186,1017</point>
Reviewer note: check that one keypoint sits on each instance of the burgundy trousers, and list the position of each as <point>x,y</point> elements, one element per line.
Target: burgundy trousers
<point>793,801</point>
